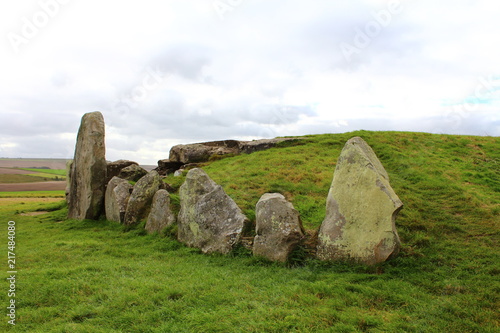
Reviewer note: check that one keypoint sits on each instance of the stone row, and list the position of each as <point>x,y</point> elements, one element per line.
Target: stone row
<point>360,216</point>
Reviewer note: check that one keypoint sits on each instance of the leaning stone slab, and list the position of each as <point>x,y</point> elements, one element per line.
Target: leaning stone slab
<point>209,219</point>
<point>161,215</point>
<point>361,209</point>
<point>116,199</point>
<point>139,204</point>
<point>88,171</point>
<point>278,228</point>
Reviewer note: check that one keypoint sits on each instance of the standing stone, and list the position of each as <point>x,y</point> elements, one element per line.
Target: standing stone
<point>209,219</point>
<point>161,215</point>
<point>141,198</point>
<point>116,199</point>
<point>278,228</point>
<point>88,172</point>
<point>361,209</point>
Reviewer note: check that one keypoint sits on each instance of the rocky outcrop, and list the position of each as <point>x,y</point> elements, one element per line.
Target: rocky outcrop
<point>201,152</point>
<point>161,215</point>
<point>278,228</point>
<point>361,209</point>
<point>132,172</point>
<point>166,167</point>
<point>181,155</point>
<point>115,167</point>
<point>116,199</point>
<point>209,219</point>
<point>88,171</point>
<point>139,204</point>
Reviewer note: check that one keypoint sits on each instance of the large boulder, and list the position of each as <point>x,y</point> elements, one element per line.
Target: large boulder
<point>201,152</point>
<point>139,204</point>
<point>278,228</point>
<point>88,171</point>
<point>161,214</point>
<point>132,172</point>
<point>361,209</point>
<point>116,199</point>
<point>115,167</point>
<point>209,219</point>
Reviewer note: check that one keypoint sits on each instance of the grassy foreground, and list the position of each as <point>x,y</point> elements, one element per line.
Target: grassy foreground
<point>91,276</point>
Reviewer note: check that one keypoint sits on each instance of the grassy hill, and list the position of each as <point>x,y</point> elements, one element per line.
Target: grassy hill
<point>93,276</point>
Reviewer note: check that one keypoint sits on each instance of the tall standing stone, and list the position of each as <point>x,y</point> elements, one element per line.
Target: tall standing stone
<point>88,171</point>
<point>361,209</point>
<point>209,219</point>
<point>278,228</point>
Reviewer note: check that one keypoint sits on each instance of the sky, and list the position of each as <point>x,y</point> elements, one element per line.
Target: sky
<point>170,72</point>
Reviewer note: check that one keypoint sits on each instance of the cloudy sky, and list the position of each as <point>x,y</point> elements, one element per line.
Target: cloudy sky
<point>165,72</point>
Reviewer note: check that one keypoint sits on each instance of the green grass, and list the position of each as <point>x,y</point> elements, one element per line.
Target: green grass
<point>47,171</point>
<point>33,194</point>
<point>91,276</point>
<point>13,179</point>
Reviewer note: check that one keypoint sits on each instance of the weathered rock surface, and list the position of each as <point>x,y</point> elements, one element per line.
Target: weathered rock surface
<point>132,172</point>
<point>278,228</point>
<point>166,167</point>
<point>139,204</point>
<point>115,167</point>
<point>209,219</point>
<point>88,171</point>
<point>161,215</point>
<point>69,165</point>
<point>116,199</point>
<point>361,209</point>
<point>202,152</point>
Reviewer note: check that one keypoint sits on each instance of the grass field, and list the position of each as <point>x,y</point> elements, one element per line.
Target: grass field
<point>92,276</point>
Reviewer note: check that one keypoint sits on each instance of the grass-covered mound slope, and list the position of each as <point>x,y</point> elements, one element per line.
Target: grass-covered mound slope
<point>91,276</point>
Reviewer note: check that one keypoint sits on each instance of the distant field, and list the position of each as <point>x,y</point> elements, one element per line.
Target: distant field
<point>57,164</point>
<point>38,186</point>
<point>94,276</point>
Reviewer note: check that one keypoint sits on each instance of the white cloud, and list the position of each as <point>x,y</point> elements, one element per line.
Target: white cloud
<point>168,72</point>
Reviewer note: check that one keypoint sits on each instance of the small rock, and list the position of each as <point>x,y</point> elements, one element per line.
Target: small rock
<point>115,167</point>
<point>161,215</point>
<point>278,228</point>
<point>116,199</point>
<point>132,172</point>
<point>141,198</point>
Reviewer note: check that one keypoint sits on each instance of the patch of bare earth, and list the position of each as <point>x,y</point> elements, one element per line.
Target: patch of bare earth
<point>9,171</point>
<point>40,186</point>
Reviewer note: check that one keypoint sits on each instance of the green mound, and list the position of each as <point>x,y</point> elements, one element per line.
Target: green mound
<point>91,276</point>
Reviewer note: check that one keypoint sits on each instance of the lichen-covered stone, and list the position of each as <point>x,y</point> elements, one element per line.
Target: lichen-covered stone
<point>161,215</point>
<point>132,172</point>
<point>115,167</point>
<point>209,219</point>
<point>116,199</point>
<point>361,209</point>
<point>278,228</point>
<point>139,204</point>
<point>88,171</point>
